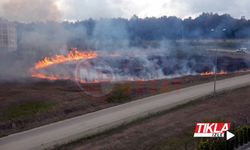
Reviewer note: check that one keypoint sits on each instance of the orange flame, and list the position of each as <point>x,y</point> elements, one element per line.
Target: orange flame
<point>212,73</point>
<point>73,55</point>
<point>47,77</point>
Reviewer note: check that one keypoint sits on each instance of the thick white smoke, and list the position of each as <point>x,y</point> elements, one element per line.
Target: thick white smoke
<point>30,10</point>
<point>127,65</point>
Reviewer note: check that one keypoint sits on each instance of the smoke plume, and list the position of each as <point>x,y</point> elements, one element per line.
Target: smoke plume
<point>31,10</point>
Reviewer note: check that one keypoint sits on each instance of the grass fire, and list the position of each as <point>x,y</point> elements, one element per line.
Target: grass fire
<point>71,78</point>
<point>93,67</point>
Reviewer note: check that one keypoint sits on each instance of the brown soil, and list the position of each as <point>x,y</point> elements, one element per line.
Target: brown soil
<point>173,129</point>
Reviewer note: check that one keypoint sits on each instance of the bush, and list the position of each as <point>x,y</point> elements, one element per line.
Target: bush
<point>204,145</point>
<point>241,137</point>
<point>248,134</point>
<point>120,94</point>
<point>212,144</point>
<point>236,140</point>
<point>245,138</point>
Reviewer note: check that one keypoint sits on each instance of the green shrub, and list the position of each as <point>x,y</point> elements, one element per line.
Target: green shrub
<point>204,145</point>
<point>245,140</point>
<point>121,93</point>
<point>248,133</point>
<point>212,144</point>
<point>240,136</point>
<point>236,140</point>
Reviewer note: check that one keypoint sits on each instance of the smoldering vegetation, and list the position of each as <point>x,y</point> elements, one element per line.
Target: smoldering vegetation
<point>147,65</point>
<point>148,48</point>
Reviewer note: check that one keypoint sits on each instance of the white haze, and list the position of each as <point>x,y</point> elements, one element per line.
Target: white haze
<point>42,10</point>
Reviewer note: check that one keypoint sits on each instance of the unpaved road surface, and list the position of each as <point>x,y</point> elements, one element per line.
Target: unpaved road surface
<point>72,129</point>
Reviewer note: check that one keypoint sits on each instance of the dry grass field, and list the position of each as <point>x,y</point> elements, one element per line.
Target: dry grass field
<point>25,105</point>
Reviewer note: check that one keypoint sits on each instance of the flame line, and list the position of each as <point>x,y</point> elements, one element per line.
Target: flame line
<point>73,55</point>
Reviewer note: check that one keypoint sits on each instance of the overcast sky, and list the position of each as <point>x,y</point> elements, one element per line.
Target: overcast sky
<point>83,9</point>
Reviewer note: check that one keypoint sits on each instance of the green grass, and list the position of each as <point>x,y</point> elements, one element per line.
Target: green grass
<point>26,110</point>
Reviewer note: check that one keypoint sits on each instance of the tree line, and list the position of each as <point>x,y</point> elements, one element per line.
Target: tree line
<point>134,30</point>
